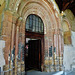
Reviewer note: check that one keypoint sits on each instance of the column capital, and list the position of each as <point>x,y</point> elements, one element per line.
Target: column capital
<point>15,17</point>
<point>18,21</point>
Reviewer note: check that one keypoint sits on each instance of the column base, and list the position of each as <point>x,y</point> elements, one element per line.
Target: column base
<point>22,66</point>
<point>52,68</point>
<point>19,67</point>
<point>6,69</point>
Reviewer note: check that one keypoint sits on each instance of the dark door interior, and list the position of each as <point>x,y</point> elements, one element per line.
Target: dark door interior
<point>34,54</point>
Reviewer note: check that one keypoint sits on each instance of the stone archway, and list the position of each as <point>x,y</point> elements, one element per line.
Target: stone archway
<point>51,30</point>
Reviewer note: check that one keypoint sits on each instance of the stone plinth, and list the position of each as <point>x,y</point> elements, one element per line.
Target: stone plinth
<point>6,69</point>
<point>2,60</point>
<point>19,67</point>
<point>22,66</point>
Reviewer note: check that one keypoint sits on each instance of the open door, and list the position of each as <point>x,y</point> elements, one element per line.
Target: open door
<point>34,54</point>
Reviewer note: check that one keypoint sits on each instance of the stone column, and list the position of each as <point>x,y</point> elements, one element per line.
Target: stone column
<point>53,61</point>
<point>62,50</point>
<point>60,57</point>
<point>16,43</point>
<point>55,56</point>
<point>57,51</point>
<point>16,47</point>
<point>12,43</point>
<point>23,45</point>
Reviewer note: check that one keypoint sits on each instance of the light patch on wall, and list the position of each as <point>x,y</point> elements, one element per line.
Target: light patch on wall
<point>2,7</point>
<point>1,2</point>
<point>65,26</point>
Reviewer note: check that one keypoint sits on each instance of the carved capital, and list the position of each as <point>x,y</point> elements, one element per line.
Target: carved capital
<point>18,22</point>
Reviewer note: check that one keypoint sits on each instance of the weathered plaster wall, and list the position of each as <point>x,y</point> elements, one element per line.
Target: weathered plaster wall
<point>69,54</point>
<point>2,60</point>
<point>69,40</point>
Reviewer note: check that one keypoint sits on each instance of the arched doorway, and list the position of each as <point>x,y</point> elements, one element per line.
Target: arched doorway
<point>52,31</point>
<point>34,36</point>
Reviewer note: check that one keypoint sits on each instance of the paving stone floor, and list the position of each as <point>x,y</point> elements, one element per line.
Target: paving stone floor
<point>51,73</point>
<point>44,73</point>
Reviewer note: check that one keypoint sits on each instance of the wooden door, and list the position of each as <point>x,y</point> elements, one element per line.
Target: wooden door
<point>34,54</point>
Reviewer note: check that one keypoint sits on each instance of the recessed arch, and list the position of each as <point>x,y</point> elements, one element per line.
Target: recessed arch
<point>66,23</point>
<point>65,26</point>
<point>66,31</point>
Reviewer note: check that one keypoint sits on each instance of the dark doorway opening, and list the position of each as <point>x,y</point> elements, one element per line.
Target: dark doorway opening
<point>34,41</point>
<point>33,54</point>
